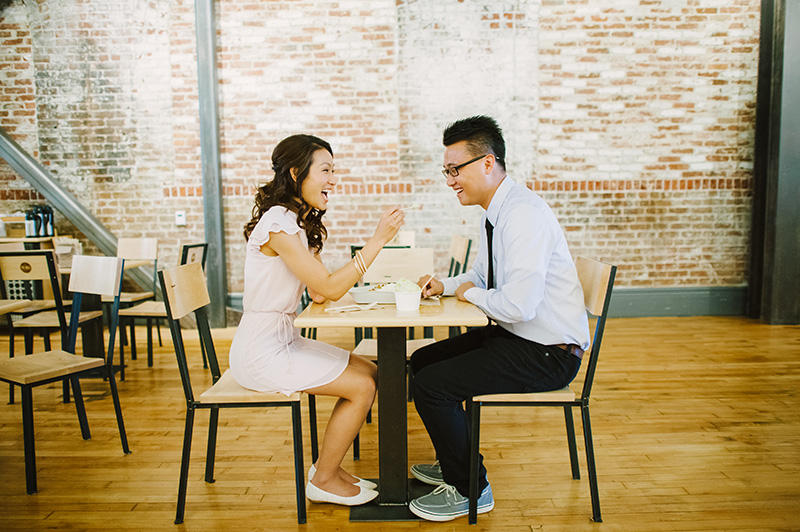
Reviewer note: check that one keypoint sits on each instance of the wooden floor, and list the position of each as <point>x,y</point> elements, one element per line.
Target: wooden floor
<point>696,427</point>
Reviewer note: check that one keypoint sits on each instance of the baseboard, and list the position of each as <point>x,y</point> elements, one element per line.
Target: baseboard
<point>679,301</point>
<point>643,302</point>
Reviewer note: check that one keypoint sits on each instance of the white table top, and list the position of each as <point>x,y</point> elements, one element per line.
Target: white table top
<point>449,311</point>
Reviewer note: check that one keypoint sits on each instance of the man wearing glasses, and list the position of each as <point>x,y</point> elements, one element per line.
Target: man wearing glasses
<point>525,281</point>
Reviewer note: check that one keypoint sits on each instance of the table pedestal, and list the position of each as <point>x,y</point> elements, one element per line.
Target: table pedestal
<point>394,485</point>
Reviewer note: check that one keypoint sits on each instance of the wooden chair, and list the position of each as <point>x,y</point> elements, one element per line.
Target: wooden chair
<point>137,252</point>
<point>90,275</point>
<point>185,291</point>
<point>154,311</point>
<point>37,269</point>
<point>597,280</point>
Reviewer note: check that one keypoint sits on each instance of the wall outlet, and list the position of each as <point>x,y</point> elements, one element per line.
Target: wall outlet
<point>180,218</point>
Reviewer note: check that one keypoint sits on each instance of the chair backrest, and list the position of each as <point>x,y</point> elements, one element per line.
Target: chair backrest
<point>194,253</point>
<point>96,275</point>
<point>597,281</point>
<point>403,239</point>
<point>393,263</point>
<point>137,248</point>
<point>100,276</point>
<point>185,291</point>
<point>37,267</point>
<point>459,254</point>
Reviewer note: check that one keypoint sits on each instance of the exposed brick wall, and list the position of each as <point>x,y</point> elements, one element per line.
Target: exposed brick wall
<point>634,120</point>
<point>17,104</point>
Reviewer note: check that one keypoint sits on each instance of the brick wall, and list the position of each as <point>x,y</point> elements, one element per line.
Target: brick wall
<point>17,103</point>
<point>634,120</point>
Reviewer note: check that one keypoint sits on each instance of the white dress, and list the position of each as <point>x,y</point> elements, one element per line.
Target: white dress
<point>267,353</point>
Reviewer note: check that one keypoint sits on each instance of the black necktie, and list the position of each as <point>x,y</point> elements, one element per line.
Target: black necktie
<point>490,276</point>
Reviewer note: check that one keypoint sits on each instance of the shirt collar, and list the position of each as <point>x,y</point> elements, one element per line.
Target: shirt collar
<point>499,197</point>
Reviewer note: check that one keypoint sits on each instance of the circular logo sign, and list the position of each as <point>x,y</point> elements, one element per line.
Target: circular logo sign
<point>25,267</point>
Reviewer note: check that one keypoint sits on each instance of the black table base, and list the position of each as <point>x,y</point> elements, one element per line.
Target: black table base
<point>376,512</point>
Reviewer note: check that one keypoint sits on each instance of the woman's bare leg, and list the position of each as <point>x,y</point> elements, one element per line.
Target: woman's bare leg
<point>355,388</point>
<point>369,368</point>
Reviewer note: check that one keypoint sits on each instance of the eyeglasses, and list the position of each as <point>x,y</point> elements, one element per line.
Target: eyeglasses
<point>453,170</point>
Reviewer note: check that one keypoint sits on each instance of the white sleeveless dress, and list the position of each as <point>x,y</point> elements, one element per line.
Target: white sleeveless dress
<point>267,353</point>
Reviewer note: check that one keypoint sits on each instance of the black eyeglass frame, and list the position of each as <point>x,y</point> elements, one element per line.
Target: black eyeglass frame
<point>448,172</point>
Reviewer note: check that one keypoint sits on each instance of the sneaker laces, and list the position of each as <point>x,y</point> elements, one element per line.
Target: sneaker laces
<point>452,492</point>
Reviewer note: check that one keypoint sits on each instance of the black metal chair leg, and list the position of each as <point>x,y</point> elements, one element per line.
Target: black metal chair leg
<point>121,349</point>
<point>299,471</point>
<point>27,432</point>
<point>474,412</point>
<point>84,423</point>
<point>11,355</point>
<point>211,450</point>
<point>312,424</point>
<point>149,342</point>
<point>132,343</point>
<point>203,352</point>
<point>590,464</point>
<point>65,393</point>
<point>357,448</point>
<point>573,448</point>
<point>123,436</point>
<point>185,456</point>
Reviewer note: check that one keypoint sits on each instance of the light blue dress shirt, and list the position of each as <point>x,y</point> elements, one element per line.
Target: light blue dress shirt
<point>538,295</point>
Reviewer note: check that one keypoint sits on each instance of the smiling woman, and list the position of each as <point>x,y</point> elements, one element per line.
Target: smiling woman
<point>284,238</point>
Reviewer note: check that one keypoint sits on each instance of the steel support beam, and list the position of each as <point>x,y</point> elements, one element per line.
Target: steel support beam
<point>216,269</point>
<point>62,200</point>
<point>775,244</point>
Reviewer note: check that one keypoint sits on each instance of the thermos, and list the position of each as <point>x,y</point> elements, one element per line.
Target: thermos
<point>39,221</point>
<point>47,221</point>
<point>30,224</point>
<point>37,218</point>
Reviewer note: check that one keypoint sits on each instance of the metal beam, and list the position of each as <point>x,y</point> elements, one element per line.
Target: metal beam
<point>775,242</point>
<point>82,218</point>
<point>216,269</point>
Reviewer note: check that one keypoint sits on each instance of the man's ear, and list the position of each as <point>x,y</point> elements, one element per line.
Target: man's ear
<point>488,163</point>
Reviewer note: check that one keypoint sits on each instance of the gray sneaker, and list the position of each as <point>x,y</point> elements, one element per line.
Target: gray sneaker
<point>445,503</point>
<point>428,473</point>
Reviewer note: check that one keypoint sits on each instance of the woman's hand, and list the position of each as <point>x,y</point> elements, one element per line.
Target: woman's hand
<point>391,221</point>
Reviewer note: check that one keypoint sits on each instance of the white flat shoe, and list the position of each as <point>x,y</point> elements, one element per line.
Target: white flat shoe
<point>366,484</point>
<point>315,494</point>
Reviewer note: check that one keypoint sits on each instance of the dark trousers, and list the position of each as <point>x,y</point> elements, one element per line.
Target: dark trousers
<point>484,360</point>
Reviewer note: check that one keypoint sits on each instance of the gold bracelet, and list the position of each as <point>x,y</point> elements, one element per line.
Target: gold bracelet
<point>358,261</point>
<point>361,263</point>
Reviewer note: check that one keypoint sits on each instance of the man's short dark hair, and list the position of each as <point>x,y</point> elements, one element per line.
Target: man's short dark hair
<point>482,134</point>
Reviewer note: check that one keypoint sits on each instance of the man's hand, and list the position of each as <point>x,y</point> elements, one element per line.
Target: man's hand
<point>463,288</point>
<point>430,286</point>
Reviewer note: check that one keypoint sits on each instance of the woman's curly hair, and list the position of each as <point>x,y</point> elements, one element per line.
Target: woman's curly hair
<point>295,152</point>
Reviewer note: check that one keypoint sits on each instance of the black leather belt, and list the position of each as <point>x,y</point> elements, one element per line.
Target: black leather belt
<point>572,349</point>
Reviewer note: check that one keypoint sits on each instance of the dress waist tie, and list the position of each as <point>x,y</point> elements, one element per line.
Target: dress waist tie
<point>285,330</point>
